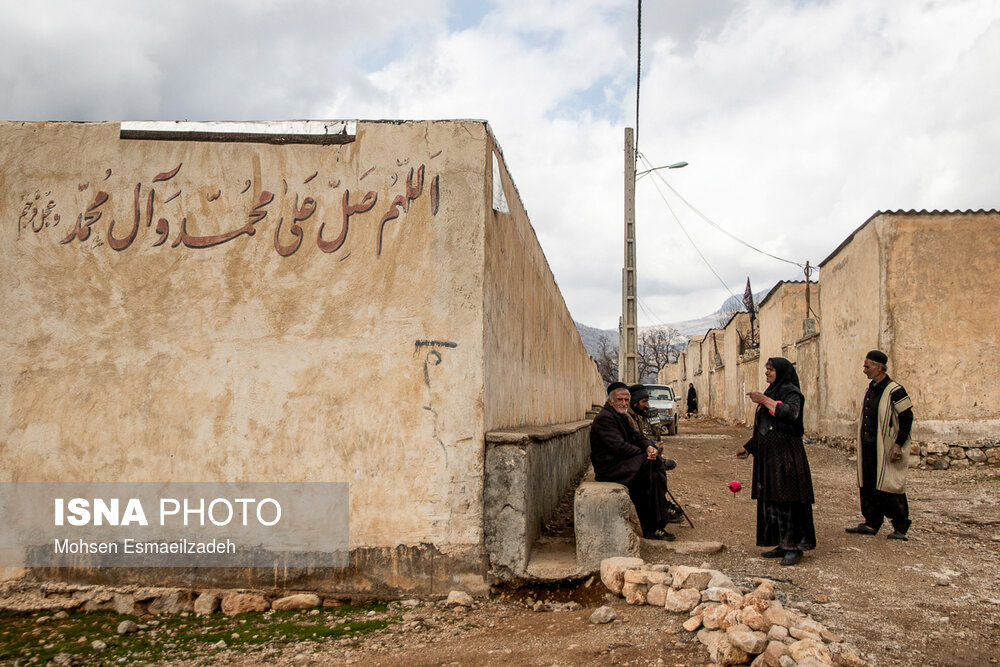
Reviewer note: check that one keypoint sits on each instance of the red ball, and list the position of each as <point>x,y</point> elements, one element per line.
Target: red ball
<point>735,486</point>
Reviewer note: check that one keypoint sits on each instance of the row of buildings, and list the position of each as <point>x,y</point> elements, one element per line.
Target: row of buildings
<point>919,285</point>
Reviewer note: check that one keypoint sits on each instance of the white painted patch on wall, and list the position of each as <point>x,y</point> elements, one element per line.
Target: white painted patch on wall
<point>499,199</point>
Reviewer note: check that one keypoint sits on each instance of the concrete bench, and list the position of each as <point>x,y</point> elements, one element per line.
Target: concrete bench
<point>605,522</point>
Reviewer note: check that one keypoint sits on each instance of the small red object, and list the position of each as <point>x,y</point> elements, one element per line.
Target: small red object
<point>735,486</point>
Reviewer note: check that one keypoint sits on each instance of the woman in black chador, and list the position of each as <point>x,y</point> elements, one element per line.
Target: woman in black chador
<point>782,483</point>
<point>692,399</point>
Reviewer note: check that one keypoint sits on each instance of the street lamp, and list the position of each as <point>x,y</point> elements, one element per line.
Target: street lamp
<point>628,331</point>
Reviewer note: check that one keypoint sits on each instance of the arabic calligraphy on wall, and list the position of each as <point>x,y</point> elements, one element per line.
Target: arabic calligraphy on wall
<point>152,209</point>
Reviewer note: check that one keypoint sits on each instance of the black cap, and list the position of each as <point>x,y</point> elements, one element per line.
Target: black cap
<point>616,385</point>
<point>638,392</point>
<point>878,357</point>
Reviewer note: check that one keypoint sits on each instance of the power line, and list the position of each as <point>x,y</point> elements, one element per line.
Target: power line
<point>713,223</point>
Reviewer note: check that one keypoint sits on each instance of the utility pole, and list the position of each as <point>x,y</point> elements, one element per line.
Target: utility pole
<point>628,367</point>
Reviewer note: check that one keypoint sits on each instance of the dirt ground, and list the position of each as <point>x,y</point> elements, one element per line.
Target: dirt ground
<point>934,600</point>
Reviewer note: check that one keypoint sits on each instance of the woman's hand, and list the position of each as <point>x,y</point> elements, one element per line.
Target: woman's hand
<point>757,397</point>
<point>742,453</point>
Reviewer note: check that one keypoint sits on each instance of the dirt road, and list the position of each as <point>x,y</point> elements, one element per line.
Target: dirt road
<point>934,600</point>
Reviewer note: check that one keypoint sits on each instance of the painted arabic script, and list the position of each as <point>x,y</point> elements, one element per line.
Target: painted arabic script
<point>149,213</point>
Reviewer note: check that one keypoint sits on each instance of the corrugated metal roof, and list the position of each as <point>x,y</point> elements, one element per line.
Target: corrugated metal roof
<point>911,212</point>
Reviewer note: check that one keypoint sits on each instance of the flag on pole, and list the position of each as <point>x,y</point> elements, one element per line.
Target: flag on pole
<point>748,299</point>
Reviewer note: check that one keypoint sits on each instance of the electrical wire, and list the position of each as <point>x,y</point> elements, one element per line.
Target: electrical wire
<point>710,221</point>
<point>693,244</point>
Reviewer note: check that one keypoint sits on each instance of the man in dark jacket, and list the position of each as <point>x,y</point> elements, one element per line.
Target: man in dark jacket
<point>623,455</point>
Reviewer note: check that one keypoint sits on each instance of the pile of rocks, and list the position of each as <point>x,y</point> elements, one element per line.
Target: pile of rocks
<point>933,455</point>
<point>738,626</point>
<point>28,597</point>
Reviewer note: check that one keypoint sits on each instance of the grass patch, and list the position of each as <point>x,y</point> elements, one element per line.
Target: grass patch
<point>180,636</point>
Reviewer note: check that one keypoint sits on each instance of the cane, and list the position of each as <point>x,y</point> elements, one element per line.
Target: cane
<point>681,508</point>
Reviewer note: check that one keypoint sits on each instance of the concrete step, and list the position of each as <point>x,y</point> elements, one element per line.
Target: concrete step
<point>554,559</point>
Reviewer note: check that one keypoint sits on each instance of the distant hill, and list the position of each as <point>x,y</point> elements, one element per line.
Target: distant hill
<point>687,328</point>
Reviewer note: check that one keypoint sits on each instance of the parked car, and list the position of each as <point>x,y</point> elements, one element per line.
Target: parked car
<point>661,397</point>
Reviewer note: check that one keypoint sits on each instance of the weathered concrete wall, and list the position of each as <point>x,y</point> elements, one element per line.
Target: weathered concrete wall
<point>807,368</point>
<point>781,315</point>
<point>732,407</point>
<point>941,310</point>
<point>236,311</point>
<point>749,380</point>
<point>527,471</point>
<point>852,284</point>
<point>537,370</point>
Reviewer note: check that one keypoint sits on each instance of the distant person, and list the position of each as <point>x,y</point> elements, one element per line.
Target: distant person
<point>623,455</point>
<point>638,417</point>
<point>782,483</point>
<point>692,400</point>
<point>883,451</point>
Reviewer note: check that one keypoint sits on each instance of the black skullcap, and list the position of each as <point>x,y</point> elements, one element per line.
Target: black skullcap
<point>616,385</point>
<point>638,392</point>
<point>877,356</point>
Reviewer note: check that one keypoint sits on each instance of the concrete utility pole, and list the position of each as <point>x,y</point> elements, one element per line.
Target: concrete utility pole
<point>628,366</point>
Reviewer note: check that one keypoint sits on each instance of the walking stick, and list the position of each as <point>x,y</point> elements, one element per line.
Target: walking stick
<point>680,508</point>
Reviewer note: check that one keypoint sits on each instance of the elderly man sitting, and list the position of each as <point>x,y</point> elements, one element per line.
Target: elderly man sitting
<point>622,454</point>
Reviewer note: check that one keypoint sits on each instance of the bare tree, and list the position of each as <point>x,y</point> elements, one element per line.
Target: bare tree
<point>657,348</point>
<point>607,361</point>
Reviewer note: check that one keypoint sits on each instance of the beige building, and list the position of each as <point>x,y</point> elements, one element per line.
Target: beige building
<point>920,286</point>
<point>356,302</point>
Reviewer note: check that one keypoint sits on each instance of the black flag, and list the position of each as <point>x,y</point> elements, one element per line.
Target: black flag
<point>748,300</point>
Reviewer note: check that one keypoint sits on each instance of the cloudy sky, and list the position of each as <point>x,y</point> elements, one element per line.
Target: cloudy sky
<point>799,119</point>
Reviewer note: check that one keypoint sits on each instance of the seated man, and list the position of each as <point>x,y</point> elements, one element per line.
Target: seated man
<point>622,454</point>
<point>638,417</point>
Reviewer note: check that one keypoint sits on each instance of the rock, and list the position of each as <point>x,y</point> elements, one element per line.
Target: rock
<point>765,589</point>
<point>240,603</point>
<point>710,638</point>
<point>992,454</point>
<point>613,571</point>
<point>60,615</point>
<point>847,659</point>
<point>98,645</point>
<point>941,580</point>
<point>207,603</point>
<point>810,661</point>
<point>658,577</point>
<point>127,627</point>
<point>220,644</point>
<point>830,637</point>
<point>777,633</point>
<point>124,604</point>
<point>692,623</point>
<point>787,661</point>
<point>956,453</point>
<point>821,598</point>
<point>656,596</point>
<point>171,602</point>
<point>805,628</point>
<point>720,580</point>
<point>937,448</point>
<point>773,652</point>
<point>776,615</point>
<point>750,641</point>
<point>976,455</point>
<point>936,462</point>
<point>683,600</point>
<point>809,647</point>
<point>712,617</point>
<point>753,619</point>
<point>308,601</point>
<point>637,576</point>
<point>63,659</point>
<point>603,615</point>
<point>634,593</point>
<point>726,653</point>
<point>691,577</point>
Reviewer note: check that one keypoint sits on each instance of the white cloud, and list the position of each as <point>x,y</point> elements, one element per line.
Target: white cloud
<point>799,120</point>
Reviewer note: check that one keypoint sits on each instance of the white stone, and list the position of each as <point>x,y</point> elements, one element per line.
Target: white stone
<point>309,601</point>
<point>613,571</point>
<point>750,641</point>
<point>691,577</point>
<point>603,615</point>
<point>656,596</point>
<point>683,600</point>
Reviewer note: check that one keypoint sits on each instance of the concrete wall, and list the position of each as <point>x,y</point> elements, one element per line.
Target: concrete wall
<point>732,407</point>
<point>780,320</point>
<point>941,310</point>
<point>537,370</point>
<point>282,313</point>
<point>807,368</point>
<point>852,285</point>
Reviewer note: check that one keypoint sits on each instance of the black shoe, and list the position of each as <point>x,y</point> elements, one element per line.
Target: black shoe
<point>861,529</point>
<point>669,464</point>
<point>660,534</point>
<point>896,535</point>
<point>675,516</point>
<point>776,552</point>
<point>791,557</point>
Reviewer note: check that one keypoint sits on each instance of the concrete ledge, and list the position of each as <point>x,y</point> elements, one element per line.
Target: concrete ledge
<point>527,471</point>
<point>606,523</point>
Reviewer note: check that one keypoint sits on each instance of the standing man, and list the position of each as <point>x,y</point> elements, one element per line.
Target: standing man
<point>638,417</point>
<point>883,451</point>
<point>622,454</point>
